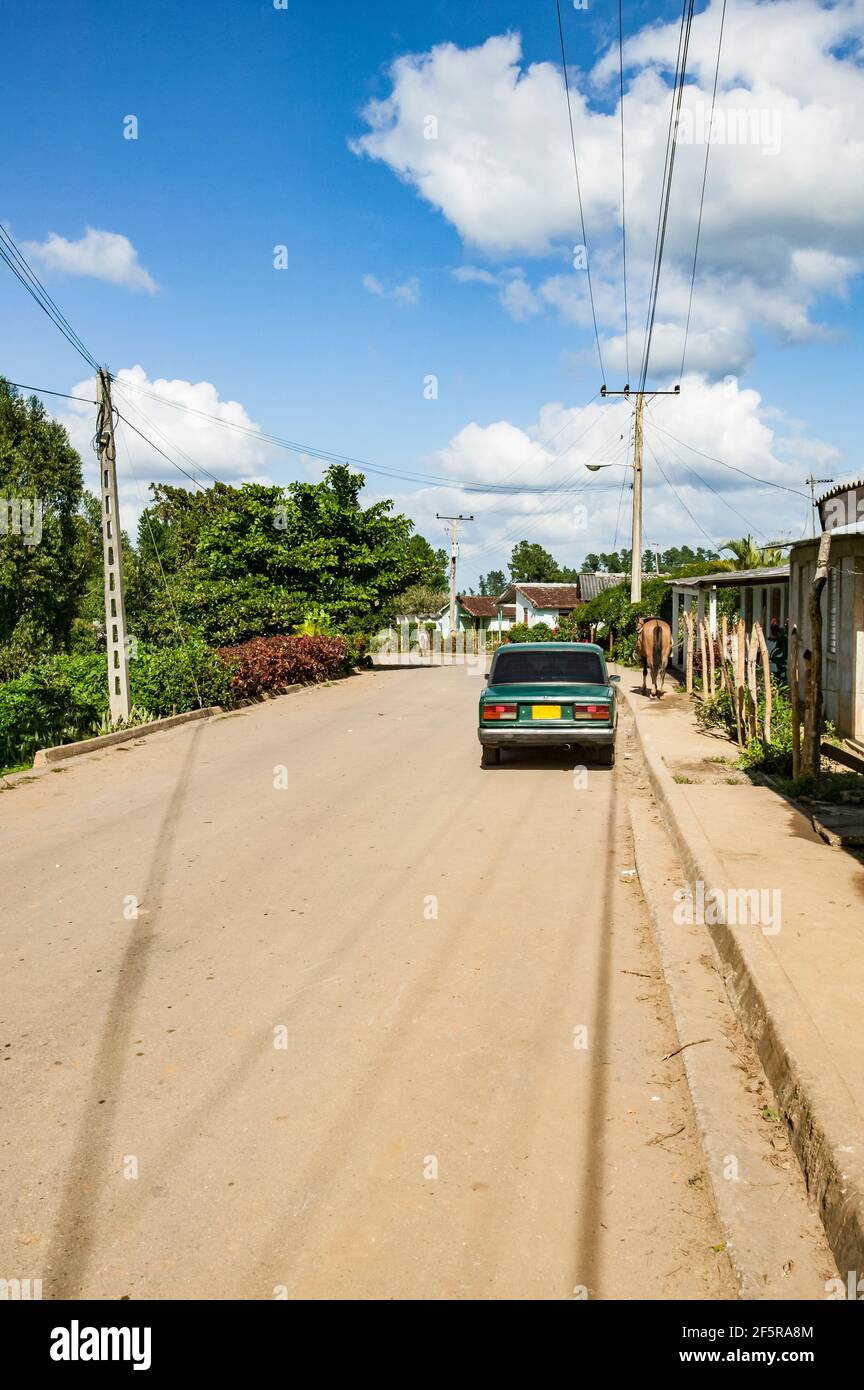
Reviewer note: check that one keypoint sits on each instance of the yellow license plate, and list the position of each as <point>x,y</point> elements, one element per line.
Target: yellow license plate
<point>545,711</point>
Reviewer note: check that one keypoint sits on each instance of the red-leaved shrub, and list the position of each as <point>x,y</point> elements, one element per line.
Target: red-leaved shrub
<point>272,663</point>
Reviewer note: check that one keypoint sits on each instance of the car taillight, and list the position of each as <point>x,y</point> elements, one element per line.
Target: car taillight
<point>590,711</point>
<point>499,711</point>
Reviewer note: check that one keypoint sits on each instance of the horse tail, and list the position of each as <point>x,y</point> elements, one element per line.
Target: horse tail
<point>658,647</point>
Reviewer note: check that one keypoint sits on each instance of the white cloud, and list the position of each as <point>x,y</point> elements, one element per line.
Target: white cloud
<point>97,255</point>
<point>519,299</point>
<point>515,295</point>
<point>784,219</point>
<point>719,419</point>
<point>405,295</point>
<point>195,443</point>
<point>472,274</point>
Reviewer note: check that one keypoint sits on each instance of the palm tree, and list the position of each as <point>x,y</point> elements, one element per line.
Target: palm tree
<point>747,555</point>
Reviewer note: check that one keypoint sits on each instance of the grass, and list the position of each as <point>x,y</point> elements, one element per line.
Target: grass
<point>841,788</point>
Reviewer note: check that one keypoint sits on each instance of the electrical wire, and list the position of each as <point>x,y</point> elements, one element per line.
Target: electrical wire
<point>702,195</point>
<point>717,493</point>
<point>23,271</point>
<point>680,499</point>
<point>666,186</point>
<point>43,391</point>
<point>766,482</point>
<point>402,475</point>
<point>145,511</point>
<point>579,188</point>
<point>623,208</point>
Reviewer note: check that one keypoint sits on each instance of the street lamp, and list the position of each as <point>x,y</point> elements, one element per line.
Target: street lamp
<point>595,467</point>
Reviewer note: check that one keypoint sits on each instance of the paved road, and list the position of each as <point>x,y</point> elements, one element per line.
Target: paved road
<point>334,1054</point>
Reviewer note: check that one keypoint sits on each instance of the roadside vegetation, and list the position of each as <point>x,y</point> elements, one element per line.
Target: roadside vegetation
<point>231,592</point>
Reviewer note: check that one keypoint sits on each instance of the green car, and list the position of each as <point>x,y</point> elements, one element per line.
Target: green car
<point>548,693</point>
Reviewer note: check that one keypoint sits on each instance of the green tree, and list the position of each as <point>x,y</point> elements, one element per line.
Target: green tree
<point>431,565</point>
<point>416,599</point>
<point>747,555</point>
<point>492,584</point>
<point>532,564</point>
<point>43,561</point>
<point>245,562</point>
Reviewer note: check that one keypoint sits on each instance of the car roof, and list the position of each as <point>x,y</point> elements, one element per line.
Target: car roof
<point>550,646</point>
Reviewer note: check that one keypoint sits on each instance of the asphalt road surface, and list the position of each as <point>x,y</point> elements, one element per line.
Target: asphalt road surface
<point>385,1026</point>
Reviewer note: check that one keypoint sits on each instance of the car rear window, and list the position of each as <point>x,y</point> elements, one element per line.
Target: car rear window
<point>515,667</point>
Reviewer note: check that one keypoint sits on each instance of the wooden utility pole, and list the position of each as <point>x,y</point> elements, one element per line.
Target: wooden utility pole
<point>636,531</point>
<point>812,484</point>
<point>112,556</point>
<point>812,759</point>
<point>454,556</point>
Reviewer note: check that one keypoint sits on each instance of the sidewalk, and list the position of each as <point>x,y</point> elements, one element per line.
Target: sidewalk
<point>795,975</point>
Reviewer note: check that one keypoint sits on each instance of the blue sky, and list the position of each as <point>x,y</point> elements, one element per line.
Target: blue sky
<point>246,116</point>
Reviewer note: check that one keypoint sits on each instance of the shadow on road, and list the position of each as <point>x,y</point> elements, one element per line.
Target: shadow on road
<point>75,1229</point>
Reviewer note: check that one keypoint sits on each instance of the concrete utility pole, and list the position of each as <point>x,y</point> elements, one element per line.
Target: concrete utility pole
<point>454,555</point>
<point>112,556</point>
<point>813,483</point>
<point>636,532</point>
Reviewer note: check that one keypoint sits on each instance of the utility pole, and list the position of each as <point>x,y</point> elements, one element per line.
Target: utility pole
<point>112,556</point>
<point>454,555</point>
<point>636,532</point>
<point>813,483</point>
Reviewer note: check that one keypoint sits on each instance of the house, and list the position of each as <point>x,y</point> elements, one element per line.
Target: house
<point>842,513</point>
<point>763,594</point>
<point>540,603</point>
<point>476,613</point>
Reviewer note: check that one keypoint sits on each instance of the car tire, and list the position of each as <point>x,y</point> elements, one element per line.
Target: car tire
<point>606,756</point>
<point>490,757</point>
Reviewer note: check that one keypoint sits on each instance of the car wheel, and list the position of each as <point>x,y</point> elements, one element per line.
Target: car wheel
<point>606,756</point>
<point>490,757</point>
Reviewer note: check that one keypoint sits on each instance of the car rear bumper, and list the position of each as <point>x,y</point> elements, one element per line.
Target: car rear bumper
<point>514,736</point>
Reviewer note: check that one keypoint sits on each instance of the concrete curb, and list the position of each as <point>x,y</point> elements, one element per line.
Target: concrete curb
<point>62,751</point>
<point>821,1119</point>
<point>764,1248</point>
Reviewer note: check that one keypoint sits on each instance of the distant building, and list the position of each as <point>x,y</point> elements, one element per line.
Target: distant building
<point>476,613</point>
<point>540,603</point>
<point>842,513</point>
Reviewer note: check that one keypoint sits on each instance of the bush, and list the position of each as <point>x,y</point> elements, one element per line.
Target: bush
<point>171,680</point>
<point>540,632</point>
<point>613,608</point>
<point>273,663</point>
<point>758,755</point>
<point>56,701</point>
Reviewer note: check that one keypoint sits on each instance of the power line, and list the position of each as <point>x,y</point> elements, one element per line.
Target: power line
<point>329,455</point>
<point>717,493</point>
<point>43,391</point>
<point>23,271</point>
<point>143,436</point>
<point>766,482</point>
<point>680,499</point>
<point>579,187</point>
<point>666,185</point>
<point>702,195</point>
<point>145,510</point>
<point>623,209</point>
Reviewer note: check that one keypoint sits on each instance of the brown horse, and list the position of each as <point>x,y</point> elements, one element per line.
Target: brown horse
<point>654,645</point>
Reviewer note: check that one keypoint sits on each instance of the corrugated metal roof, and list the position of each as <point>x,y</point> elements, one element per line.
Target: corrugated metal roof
<point>734,579</point>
